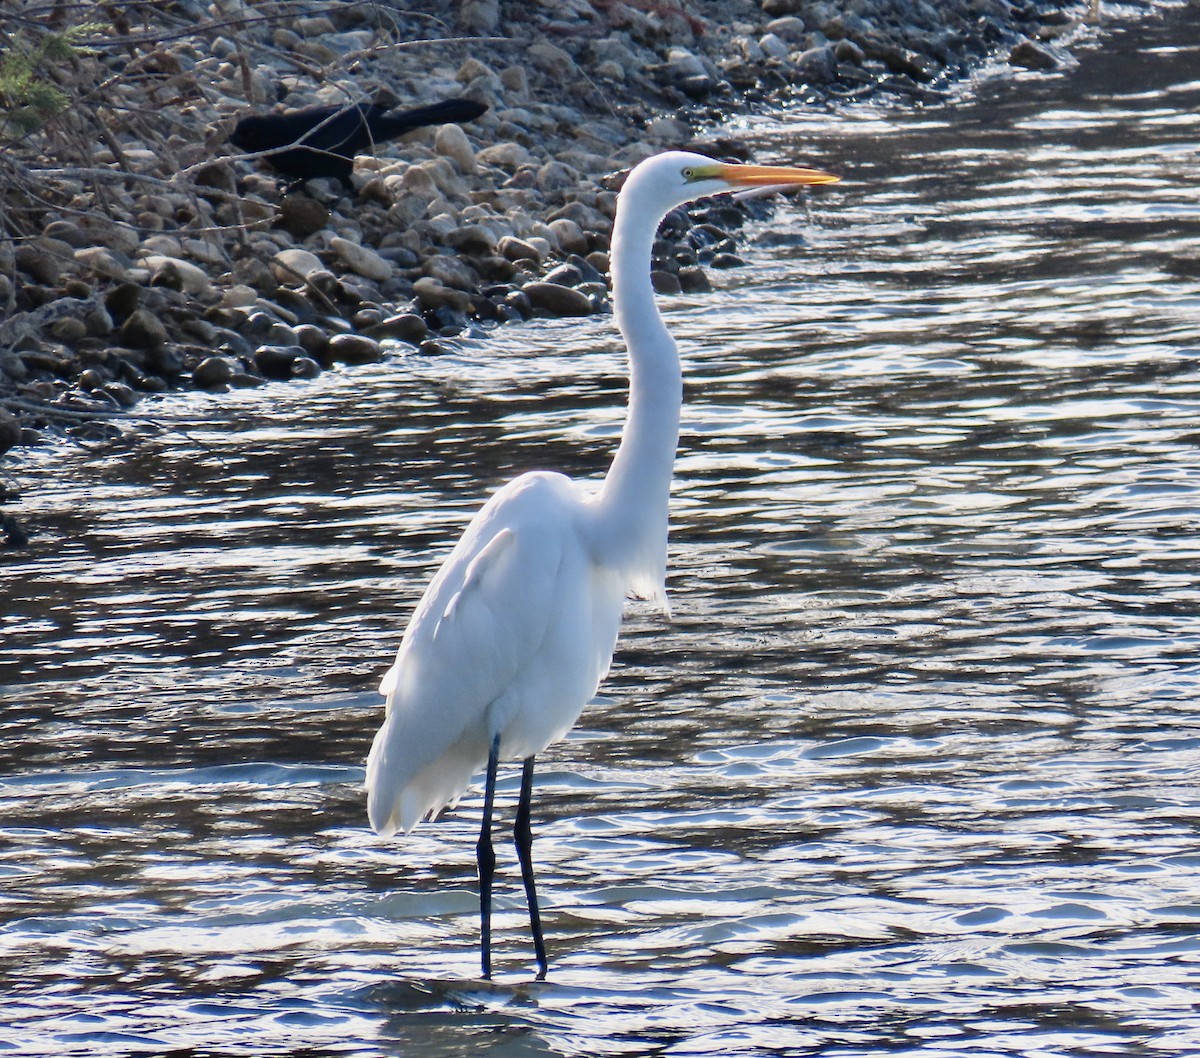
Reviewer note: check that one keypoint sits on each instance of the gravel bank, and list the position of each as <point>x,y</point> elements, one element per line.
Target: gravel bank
<point>140,253</point>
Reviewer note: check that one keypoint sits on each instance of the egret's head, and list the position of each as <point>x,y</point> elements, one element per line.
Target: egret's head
<point>671,179</point>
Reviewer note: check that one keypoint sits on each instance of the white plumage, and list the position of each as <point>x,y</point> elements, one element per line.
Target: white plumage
<point>516,631</point>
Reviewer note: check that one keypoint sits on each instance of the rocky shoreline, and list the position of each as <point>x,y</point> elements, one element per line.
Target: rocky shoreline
<point>139,253</point>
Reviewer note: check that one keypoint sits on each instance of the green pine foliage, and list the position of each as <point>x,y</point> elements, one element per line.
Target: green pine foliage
<point>28,97</point>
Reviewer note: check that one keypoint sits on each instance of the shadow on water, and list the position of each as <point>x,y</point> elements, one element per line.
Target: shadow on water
<point>912,770</point>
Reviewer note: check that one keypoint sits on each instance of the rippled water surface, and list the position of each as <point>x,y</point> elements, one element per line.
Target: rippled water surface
<point>912,771</point>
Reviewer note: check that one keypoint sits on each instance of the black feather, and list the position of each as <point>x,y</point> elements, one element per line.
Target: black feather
<point>322,141</point>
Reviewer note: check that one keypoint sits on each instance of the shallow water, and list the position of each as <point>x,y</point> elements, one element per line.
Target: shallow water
<point>914,768</point>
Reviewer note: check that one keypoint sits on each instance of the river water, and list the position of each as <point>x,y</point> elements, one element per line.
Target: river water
<point>913,770</point>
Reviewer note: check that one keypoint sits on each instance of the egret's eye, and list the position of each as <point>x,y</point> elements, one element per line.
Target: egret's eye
<point>689,173</point>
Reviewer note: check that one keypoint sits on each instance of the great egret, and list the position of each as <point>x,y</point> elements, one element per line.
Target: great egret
<point>517,629</point>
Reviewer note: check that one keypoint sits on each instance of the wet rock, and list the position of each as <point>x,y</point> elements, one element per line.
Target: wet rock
<point>353,349</point>
<point>557,300</point>
<point>275,361</point>
<point>92,379</point>
<point>143,330</point>
<point>124,395</point>
<point>213,372</point>
<point>1040,57</point>
<point>305,367</point>
<point>845,50</point>
<point>405,327</point>
<point>10,431</point>
<point>361,259</point>
<point>665,282</point>
<point>313,340</point>
<point>694,280</point>
<point>15,534</point>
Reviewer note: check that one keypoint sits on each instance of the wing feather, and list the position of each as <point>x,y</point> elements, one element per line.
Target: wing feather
<point>481,621</point>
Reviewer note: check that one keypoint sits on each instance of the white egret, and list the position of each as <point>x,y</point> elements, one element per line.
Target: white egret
<point>516,630</point>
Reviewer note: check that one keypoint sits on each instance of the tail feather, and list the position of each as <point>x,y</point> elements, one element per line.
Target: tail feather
<point>398,122</point>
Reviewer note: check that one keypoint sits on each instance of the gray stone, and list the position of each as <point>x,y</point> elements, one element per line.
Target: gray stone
<point>176,274</point>
<point>406,327</point>
<point>1040,57</point>
<point>213,372</point>
<point>665,282</point>
<point>293,264</point>
<point>361,259</point>
<point>451,142</point>
<point>41,266</point>
<point>143,330</point>
<point>353,349</point>
<point>434,295</point>
<point>817,65</point>
<point>557,300</point>
<point>518,249</point>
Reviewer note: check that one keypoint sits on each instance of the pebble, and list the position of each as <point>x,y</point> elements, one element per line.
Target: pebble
<point>519,249</point>
<point>239,276</point>
<point>293,264</point>
<point>435,295</point>
<point>1040,57</point>
<point>557,300</point>
<point>302,216</point>
<point>41,266</point>
<point>773,46</point>
<point>451,142</point>
<point>569,236</point>
<point>505,155</point>
<point>275,361</point>
<point>361,259</point>
<point>353,349</point>
<point>405,327</point>
<point>177,274</point>
<point>143,330</point>
<point>213,372</point>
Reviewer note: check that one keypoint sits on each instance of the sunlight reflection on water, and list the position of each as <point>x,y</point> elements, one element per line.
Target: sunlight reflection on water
<point>912,770</point>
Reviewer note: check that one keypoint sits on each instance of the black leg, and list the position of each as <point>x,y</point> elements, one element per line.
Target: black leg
<point>523,837</point>
<point>486,859</point>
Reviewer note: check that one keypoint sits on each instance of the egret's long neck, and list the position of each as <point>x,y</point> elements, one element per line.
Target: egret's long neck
<point>633,500</point>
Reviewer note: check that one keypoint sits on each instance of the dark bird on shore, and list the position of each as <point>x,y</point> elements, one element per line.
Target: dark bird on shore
<point>322,141</point>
